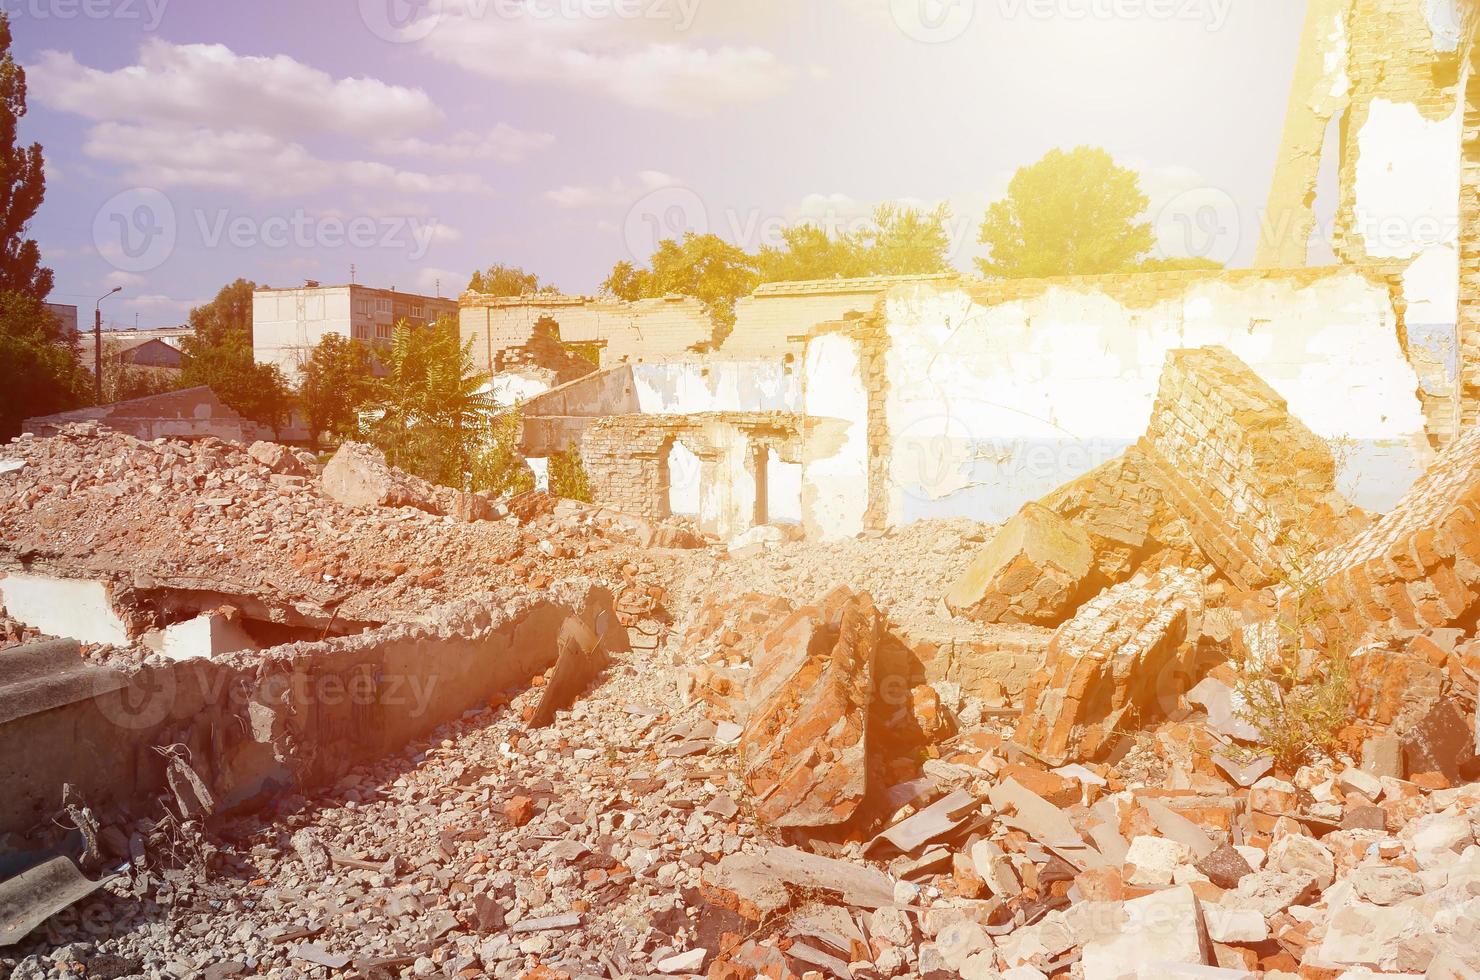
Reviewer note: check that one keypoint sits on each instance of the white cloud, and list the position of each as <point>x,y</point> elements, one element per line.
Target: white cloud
<point>429,280</point>
<point>125,279</point>
<point>651,62</point>
<point>503,144</point>
<point>252,162</point>
<point>618,192</point>
<point>209,85</point>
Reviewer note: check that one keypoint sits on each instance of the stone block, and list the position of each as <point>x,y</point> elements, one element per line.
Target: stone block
<point>1034,571</point>
<point>1156,933</point>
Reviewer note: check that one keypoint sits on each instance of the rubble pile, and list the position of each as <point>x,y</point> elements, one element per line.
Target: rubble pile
<point>806,762</point>
<point>260,521</point>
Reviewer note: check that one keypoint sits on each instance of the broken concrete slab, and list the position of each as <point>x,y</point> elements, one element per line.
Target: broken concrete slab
<point>359,476</point>
<point>755,884</point>
<point>578,659</point>
<point>32,897</point>
<point>1163,929</point>
<point>206,635</point>
<point>1034,571</point>
<point>935,821</point>
<point>78,609</point>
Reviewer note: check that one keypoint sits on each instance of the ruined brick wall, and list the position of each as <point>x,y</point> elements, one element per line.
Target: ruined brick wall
<point>1418,566</point>
<point>1253,483</point>
<point>646,330</point>
<point>1469,234</point>
<point>626,460</point>
<point>1117,663</point>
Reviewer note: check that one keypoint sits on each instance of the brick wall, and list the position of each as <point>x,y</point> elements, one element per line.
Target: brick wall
<point>1119,661</point>
<point>1418,566</point>
<point>626,459</point>
<point>1255,486</point>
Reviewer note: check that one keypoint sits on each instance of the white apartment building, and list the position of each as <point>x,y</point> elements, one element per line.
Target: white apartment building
<point>288,323</point>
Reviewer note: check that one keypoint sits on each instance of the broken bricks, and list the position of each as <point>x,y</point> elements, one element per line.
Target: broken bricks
<point>1118,661</point>
<point>804,750</point>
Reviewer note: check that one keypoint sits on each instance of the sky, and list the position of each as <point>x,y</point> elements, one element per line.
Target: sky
<point>408,142</point>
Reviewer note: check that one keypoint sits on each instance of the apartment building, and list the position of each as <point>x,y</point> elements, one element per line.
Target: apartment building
<point>288,323</point>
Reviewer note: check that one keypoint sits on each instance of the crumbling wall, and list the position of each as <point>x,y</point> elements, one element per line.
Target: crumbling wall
<point>775,320</point>
<point>1416,568</point>
<point>280,719</point>
<point>999,393</point>
<point>1254,485</point>
<point>1386,74</point>
<point>646,330</point>
<point>626,458</point>
<point>191,413</point>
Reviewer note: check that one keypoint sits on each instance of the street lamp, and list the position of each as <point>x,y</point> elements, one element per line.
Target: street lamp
<point>98,345</point>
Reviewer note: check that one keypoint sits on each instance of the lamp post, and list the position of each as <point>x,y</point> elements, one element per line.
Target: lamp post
<point>98,344</point>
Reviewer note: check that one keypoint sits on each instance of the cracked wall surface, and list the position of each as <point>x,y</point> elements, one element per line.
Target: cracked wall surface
<point>995,394</point>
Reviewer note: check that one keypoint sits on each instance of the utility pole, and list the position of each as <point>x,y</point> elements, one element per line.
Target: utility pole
<point>98,344</point>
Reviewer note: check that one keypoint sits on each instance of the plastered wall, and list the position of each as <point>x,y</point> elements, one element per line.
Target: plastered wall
<point>994,395</point>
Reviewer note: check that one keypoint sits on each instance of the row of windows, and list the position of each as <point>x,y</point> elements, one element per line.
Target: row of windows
<point>383,305</point>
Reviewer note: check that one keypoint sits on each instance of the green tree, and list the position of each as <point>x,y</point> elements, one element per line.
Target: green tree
<point>22,184</point>
<point>568,477</point>
<point>705,267</point>
<point>123,381</point>
<point>809,252</point>
<point>1073,213</point>
<point>39,369</point>
<point>432,406</point>
<point>227,317</point>
<point>219,355</point>
<point>497,466</point>
<point>905,241</point>
<point>334,384</point>
<point>256,391</point>
<point>897,241</point>
<point>508,280</point>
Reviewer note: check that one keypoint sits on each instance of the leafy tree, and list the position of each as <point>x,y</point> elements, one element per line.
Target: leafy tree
<point>1073,213</point>
<point>22,184</point>
<point>219,355</point>
<point>40,373</point>
<point>809,252</point>
<point>508,280</point>
<point>226,316</point>
<point>568,477</point>
<point>334,385</point>
<point>705,267</point>
<point>898,241</point>
<point>256,391</point>
<point>123,381</point>
<point>433,407</point>
<point>497,467</point>
<point>907,241</point>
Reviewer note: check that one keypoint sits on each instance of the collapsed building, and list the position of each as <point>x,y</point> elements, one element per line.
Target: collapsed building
<point>1095,627</point>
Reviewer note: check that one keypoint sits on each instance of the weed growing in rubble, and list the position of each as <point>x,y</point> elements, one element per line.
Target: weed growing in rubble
<point>568,476</point>
<point>1295,676</point>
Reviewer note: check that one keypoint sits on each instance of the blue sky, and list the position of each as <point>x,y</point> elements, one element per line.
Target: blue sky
<point>189,143</point>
